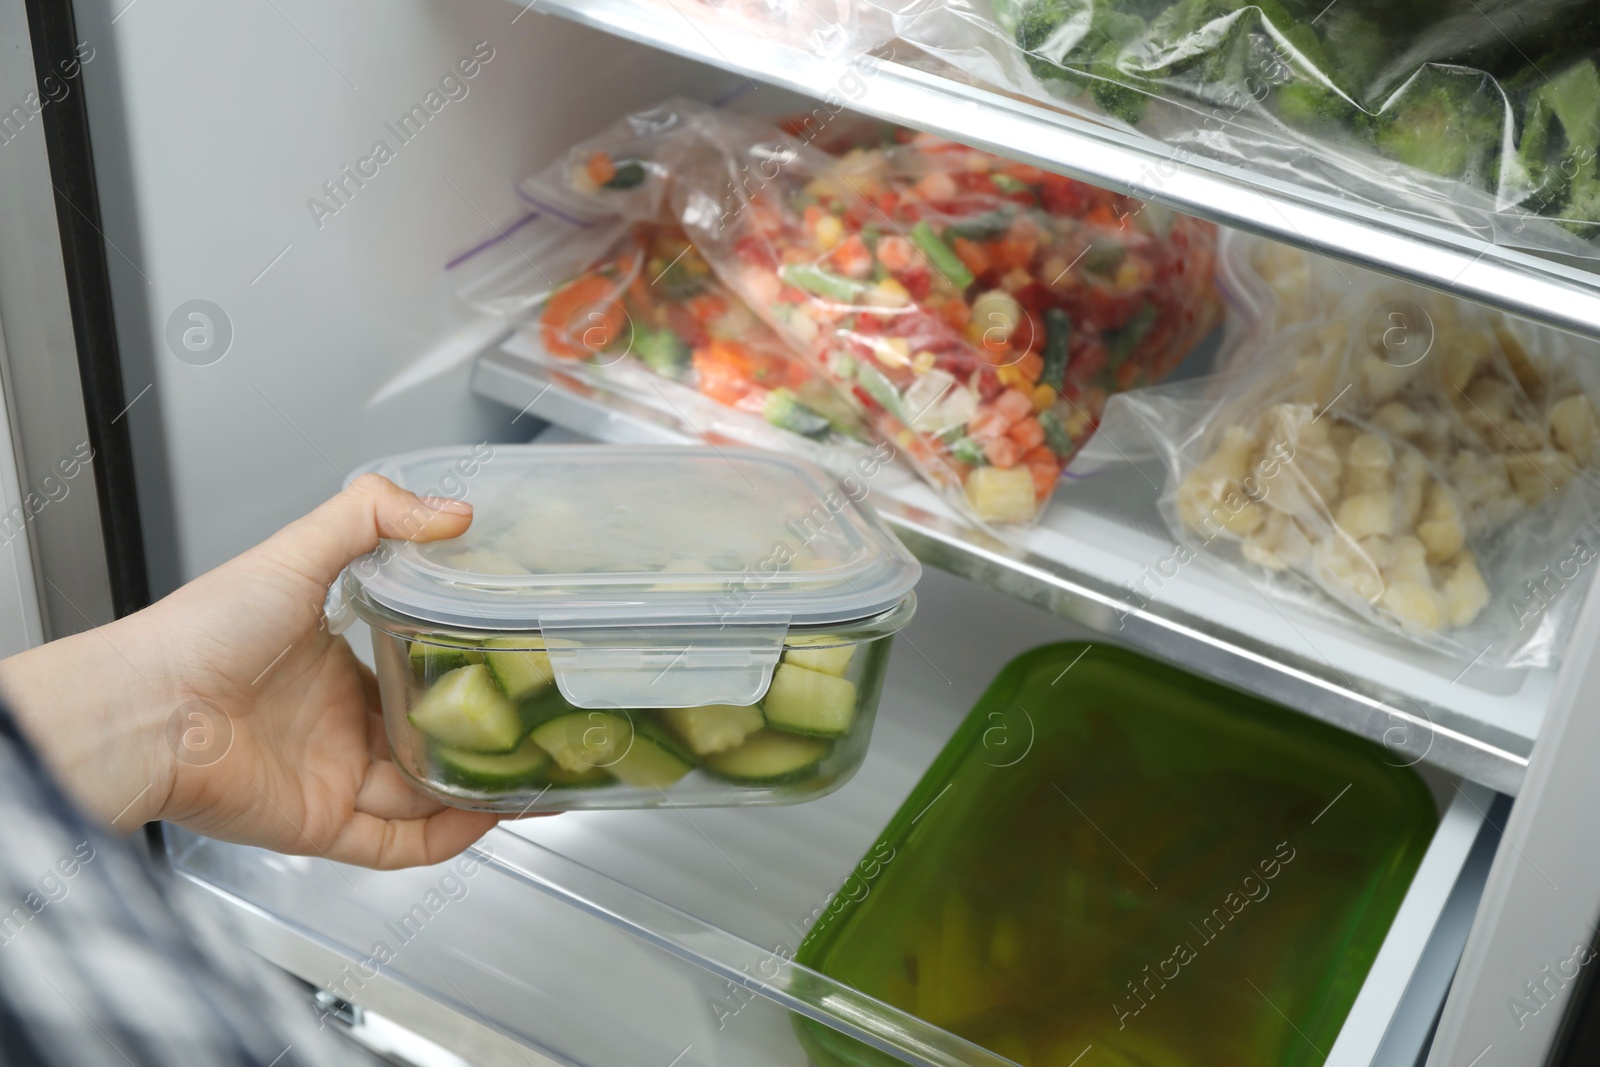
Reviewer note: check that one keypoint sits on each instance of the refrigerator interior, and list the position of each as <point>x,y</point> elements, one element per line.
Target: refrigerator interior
<point>601,937</point>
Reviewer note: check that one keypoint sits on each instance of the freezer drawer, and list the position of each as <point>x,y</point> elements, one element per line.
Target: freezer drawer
<point>609,937</point>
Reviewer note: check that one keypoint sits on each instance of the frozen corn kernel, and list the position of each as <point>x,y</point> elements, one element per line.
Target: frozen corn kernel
<point>1465,592</point>
<point>924,361</point>
<point>829,232</point>
<point>1414,604</point>
<point>1365,514</point>
<point>892,351</point>
<point>1574,429</point>
<point>889,293</point>
<point>1043,396</point>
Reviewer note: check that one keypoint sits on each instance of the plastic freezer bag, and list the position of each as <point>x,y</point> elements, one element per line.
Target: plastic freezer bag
<point>1481,113</point>
<point>1427,463</point>
<point>977,311</point>
<point>629,307</point>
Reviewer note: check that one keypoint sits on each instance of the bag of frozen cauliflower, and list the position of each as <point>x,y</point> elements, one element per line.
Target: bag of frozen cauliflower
<point>1429,464</point>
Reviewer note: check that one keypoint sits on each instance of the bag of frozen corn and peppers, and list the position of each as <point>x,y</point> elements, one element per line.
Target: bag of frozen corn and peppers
<point>978,311</point>
<point>1428,463</point>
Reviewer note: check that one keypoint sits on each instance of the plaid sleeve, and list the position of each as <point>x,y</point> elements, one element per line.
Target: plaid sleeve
<point>98,967</point>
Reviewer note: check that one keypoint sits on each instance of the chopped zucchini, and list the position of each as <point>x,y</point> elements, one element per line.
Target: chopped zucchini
<point>466,710</point>
<point>654,760</point>
<point>581,740</point>
<point>433,655</point>
<point>492,773</point>
<point>520,671</point>
<point>834,661</point>
<point>768,758</point>
<point>558,777</point>
<point>714,727</point>
<point>809,702</point>
<point>1002,494</point>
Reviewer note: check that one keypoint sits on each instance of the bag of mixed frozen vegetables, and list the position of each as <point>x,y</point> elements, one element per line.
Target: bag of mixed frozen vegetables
<point>621,302</point>
<point>1481,113</point>
<point>978,311</point>
<point>1430,464</point>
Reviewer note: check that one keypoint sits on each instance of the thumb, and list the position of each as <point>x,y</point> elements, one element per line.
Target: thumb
<point>350,525</point>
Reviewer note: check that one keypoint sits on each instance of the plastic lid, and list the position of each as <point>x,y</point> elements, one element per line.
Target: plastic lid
<point>619,554</point>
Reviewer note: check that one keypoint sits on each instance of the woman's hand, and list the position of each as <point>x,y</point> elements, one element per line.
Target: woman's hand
<point>228,708</point>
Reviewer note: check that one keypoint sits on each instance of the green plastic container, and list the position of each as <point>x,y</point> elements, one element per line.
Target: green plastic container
<point>1113,853</point>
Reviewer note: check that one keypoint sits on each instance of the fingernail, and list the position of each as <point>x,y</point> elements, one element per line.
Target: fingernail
<point>446,504</point>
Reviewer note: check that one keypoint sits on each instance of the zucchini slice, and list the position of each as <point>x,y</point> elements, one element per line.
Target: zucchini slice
<point>655,759</point>
<point>834,661</point>
<point>558,777</point>
<point>582,740</point>
<point>714,727</point>
<point>520,671</point>
<point>434,655</point>
<point>487,773</point>
<point>802,701</point>
<point>770,758</point>
<point>466,710</point>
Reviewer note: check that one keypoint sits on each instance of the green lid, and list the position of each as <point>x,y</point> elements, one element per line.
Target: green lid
<point>1111,852</point>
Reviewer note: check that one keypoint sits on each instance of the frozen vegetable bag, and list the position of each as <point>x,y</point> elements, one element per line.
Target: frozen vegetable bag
<point>977,311</point>
<point>1481,113</point>
<point>1427,463</point>
<point>612,293</point>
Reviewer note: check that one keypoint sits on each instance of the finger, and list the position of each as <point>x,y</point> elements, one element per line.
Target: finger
<point>351,524</point>
<point>386,794</point>
<point>387,845</point>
